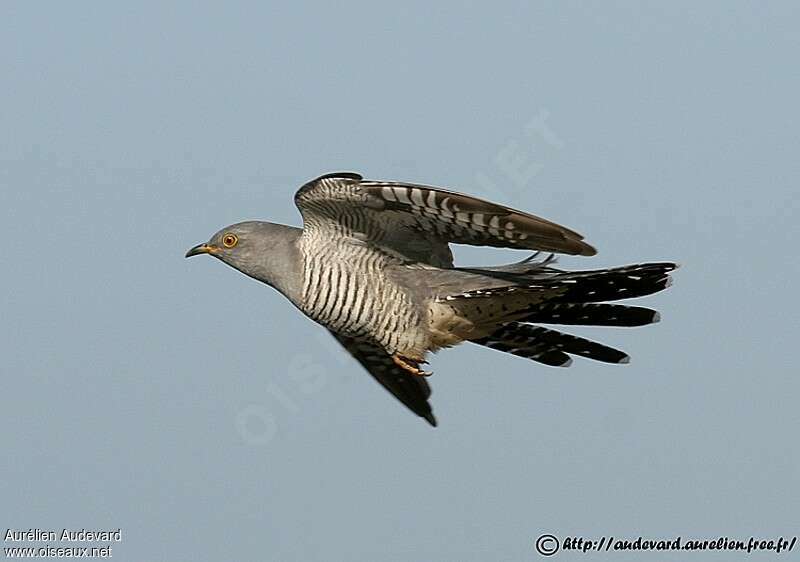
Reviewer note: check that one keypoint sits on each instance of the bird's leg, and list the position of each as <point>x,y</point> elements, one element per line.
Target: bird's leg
<point>410,365</point>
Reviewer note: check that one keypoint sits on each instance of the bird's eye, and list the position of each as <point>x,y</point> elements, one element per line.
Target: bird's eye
<point>230,240</point>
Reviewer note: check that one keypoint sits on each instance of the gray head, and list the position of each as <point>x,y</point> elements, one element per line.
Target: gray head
<point>261,250</point>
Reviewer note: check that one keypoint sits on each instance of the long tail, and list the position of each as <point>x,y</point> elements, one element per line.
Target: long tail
<point>581,300</point>
<point>548,346</point>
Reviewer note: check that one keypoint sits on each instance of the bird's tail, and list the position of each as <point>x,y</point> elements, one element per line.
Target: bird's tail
<point>578,298</point>
<point>548,346</point>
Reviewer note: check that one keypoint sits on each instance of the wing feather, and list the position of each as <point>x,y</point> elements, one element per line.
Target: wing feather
<point>463,219</point>
<point>411,390</point>
<point>419,221</point>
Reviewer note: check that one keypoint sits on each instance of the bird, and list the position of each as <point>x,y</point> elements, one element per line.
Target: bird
<point>373,265</point>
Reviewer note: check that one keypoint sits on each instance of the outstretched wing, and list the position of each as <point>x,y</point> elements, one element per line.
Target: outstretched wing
<point>418,222</point>
<point>411,390</point>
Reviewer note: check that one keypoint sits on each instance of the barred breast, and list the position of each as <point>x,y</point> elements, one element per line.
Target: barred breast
<point>346,289</point>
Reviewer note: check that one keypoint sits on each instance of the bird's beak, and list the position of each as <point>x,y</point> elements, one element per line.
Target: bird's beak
<point>200,249</point>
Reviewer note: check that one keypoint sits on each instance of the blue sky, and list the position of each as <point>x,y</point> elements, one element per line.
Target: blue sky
<point>199,412</point>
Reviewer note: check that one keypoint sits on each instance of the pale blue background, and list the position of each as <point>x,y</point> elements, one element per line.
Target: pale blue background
<point>197,410</point>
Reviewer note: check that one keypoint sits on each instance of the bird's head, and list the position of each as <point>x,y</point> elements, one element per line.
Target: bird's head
<point>262,250</point>
<point>238,245</point>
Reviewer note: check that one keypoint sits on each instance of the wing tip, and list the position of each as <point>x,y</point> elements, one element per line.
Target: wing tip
<point>587,250</point>
<point>573,247</point>
<point>343,175</point>
<point>430,418</point>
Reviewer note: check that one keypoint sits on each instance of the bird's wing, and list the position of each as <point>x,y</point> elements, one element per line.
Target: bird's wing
<point>411,390</point>
<point>418,222</point>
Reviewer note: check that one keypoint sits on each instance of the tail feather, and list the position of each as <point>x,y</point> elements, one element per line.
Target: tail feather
<point>612,284</point>
<point>535,293</point>
<point>576,298</point>
<point>592,314</point>
<point>526,346</point>
<point>548,346</point>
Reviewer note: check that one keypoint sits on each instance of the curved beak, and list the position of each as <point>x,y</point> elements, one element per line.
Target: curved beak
<point>200,249</point>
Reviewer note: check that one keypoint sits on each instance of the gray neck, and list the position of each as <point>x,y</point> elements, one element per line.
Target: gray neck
<point>276,260</point>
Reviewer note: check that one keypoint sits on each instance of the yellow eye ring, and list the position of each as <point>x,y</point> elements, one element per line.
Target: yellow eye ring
<point>230,240</point>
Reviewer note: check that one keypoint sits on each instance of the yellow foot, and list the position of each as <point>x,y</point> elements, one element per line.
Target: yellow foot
<point>410,365</point>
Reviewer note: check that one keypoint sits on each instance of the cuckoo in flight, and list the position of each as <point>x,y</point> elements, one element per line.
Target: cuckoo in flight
<point>373,265</point>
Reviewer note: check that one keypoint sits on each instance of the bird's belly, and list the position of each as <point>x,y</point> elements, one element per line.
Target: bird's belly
<point>352,296</point>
